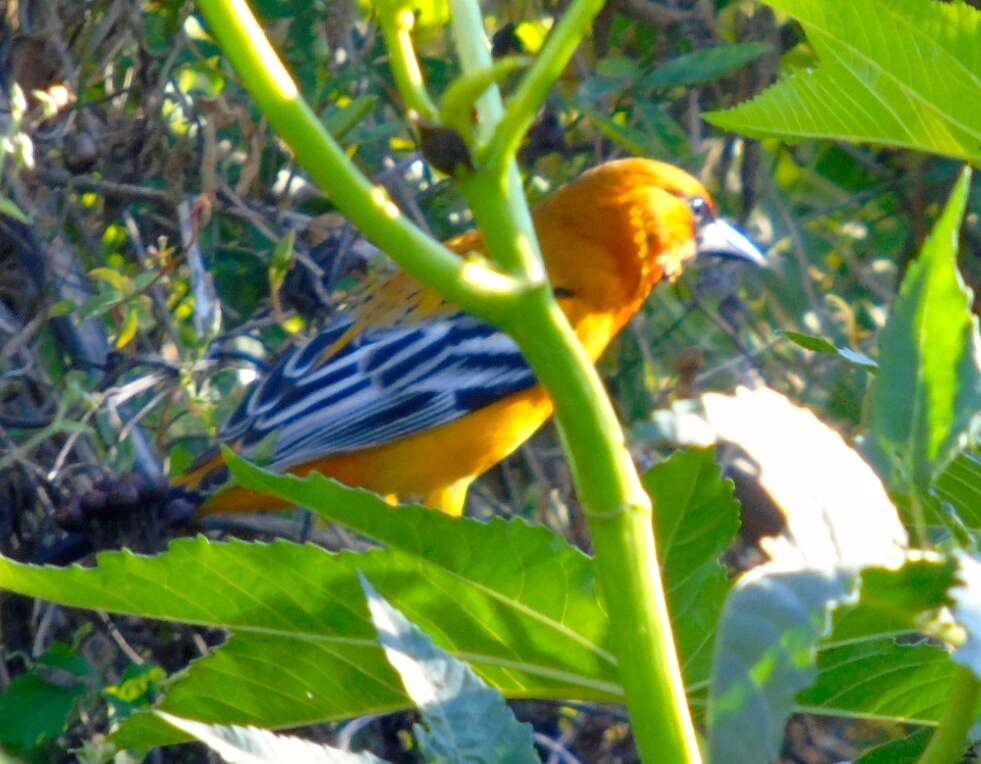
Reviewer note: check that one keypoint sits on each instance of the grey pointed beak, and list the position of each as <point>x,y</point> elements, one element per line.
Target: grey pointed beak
<point>719,238</point>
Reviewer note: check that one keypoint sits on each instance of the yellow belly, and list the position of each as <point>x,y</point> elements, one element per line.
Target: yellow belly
<point>435,466</point>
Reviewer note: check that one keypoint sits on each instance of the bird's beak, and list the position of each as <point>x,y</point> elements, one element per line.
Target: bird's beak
<point>719,238</point>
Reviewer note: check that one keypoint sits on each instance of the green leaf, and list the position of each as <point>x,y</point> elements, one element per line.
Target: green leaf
<point>896,600</point>
<point>777,614</point>
<point>113,278</point>
<point>896,72</point>
<point>821,345</point>
<point>696,520</point>
<point>904,751</point>
<point>37,705</point>
<point>882,679</point>
<point>138,689</point>
<point>516,601</point>
<point>281,261</point>
<point>456,109</point>
<point>61,308</point>
<point>959,485</point>
<point>98,304</point>
<point>705,65</point>
<point>875,663</point>
<point>465,720</point>
<point>630,138</point>
<point>339,122</point>
<point>248,745</point>
<point>9,208</point>
<point>928,389</point>
<point>764,657</point>
<point>127,331</point>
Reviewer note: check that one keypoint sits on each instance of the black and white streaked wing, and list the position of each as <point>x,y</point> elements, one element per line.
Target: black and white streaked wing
<point>387,383</point>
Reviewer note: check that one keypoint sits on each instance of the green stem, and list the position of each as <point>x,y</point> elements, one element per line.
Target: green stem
<point>396,19</point>
<point>950,740</point>
<point>619,514</point>
<point>617,507</point>
<point>530,95</point>
<point>469,284</point>
<point>497,199</point>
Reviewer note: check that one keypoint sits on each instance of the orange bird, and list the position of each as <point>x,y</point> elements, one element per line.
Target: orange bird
<point>406,395</point>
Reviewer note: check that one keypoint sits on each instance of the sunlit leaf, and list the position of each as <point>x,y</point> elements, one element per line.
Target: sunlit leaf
<point>249,745</point>
<point>464,719</point>
<point>927,393</point>
<point>696,520</point>
<point>897,72</point>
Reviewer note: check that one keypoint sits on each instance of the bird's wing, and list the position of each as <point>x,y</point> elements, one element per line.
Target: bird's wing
<point>358,385</point>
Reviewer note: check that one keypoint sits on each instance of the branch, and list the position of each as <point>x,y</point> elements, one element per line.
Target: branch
<point>469,284</point>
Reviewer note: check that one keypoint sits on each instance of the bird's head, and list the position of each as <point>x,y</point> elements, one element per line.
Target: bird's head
<point>646,219</point>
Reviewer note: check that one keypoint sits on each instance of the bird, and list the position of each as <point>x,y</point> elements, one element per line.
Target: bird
<point>406,395</point>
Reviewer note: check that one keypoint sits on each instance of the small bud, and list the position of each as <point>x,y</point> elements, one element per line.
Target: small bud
<point>443,147</point>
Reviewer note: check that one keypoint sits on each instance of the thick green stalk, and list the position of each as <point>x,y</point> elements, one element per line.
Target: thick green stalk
<point>617,507</point>
<point>496,197</point>
<point>469,284</point>
<point>950,740</point>
<point>619,514</point>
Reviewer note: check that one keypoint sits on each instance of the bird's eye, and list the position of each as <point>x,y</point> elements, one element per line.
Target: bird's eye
<point>700,209</point>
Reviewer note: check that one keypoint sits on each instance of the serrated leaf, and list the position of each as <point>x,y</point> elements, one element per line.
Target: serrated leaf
<point>821,345</point>
<point>896,72</point>
<point>928,389</point>
<point>249,745</point>
<point>517,602</point>
<point>696,520</point>
<point>705,65</point>
<point>465,720</point>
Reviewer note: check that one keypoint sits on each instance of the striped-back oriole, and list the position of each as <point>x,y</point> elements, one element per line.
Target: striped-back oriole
<point>408,396</point>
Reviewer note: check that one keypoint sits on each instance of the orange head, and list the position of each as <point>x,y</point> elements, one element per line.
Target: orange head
<point>612,233</point>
